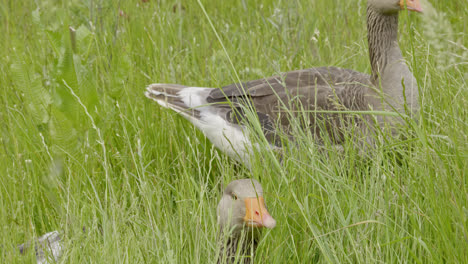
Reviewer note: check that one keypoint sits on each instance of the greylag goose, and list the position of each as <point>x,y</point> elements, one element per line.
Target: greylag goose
<point>241,212</point>
<point>221,113</point>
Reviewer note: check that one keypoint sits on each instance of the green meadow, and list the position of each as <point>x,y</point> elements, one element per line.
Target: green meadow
<point>82,148</point>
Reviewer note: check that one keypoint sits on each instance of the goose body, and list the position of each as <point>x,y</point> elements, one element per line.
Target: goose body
<point>221,113</point>
<point>274,98</point>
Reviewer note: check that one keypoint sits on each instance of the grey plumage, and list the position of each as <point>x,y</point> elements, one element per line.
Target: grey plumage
<point>278,97</point>
<point>243,245</point>
<point>389,69</point>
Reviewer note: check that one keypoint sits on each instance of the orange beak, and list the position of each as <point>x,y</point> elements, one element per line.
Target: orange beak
<point>256,214</point>
<point>411,5</point>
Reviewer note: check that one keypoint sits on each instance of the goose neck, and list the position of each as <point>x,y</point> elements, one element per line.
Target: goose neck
<point>383,40</point>
<point>243,245</point>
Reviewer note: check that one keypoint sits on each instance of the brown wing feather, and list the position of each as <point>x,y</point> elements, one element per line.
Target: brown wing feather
<point>278,97</point>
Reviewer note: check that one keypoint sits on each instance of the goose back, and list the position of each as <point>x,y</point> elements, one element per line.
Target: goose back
<point>278,98</point>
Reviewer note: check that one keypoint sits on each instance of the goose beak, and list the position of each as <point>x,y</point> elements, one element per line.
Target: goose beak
<point>411,5</point>
<point>256,214</point>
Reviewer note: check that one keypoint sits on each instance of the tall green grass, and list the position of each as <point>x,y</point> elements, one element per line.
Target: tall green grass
<point>82,147</point>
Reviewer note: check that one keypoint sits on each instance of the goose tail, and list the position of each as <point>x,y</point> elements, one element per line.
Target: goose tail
<point>185,100</point>
<point>167,95</point>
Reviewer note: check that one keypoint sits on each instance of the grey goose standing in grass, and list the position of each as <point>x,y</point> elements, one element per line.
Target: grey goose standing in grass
<point>241,214</point>
<point>221,113</point>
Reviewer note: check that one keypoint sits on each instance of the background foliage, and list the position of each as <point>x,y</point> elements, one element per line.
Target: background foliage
<point>82,147</point>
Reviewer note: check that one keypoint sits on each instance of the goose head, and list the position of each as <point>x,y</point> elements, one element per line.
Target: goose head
<point>393,6</point>
<point>242,205</point>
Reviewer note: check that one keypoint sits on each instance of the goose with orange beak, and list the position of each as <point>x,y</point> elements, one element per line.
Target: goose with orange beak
<point>242,213</point>
<point>220,113</point>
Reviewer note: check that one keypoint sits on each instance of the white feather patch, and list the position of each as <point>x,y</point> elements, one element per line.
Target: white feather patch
<point>194,96</point>
<point>231,139</point>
